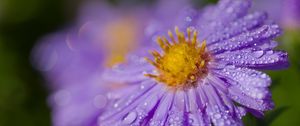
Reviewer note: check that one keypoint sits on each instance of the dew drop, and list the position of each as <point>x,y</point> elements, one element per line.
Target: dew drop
<point>142,87</point>
<point>116,105</point>
<point>263,76</point>
<point>146,103</point>
<point>259,95</point>
<point>130,118</point>
<point>258,54</point>
<point>191,120</point>
<point>270,52</point>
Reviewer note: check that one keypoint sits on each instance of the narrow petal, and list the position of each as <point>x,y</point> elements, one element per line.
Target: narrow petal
<point>197,115</point>
<point>219,111</point>
<point>161,113</point>
<point>247,87</point>
<point>259,35</point>
<point>255,58</point>
<point>136,65</point>
<point>121,107</point>
<point>246,77</point>
<point>239,26</point>
<point>177,112</point>
<point>216,17</point>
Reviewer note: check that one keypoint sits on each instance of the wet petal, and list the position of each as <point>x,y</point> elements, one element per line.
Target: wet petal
<point>133,108</point>
<point>161,113</point>
<point>220,109</point>
<point>239,26</point>
<point>246,77</point>
<point>197,115</point>
<point>216,17</point>
<point>176,114</point>
<point>247,87</point>
<point>136,66</point>
<point>255,58</point>
<point>250,38</point>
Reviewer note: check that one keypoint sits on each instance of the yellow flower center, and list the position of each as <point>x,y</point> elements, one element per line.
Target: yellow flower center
<point>183,61</point>
<point>120,38</point>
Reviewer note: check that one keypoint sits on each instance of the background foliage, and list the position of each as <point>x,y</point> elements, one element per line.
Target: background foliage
<point>23,97</point>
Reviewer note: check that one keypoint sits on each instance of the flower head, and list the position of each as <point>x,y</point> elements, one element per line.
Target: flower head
<point>203,74</point>
<point>72,60</point>
<point>190,58</point>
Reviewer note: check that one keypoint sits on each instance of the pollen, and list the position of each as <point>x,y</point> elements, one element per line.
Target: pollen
<point>183,60</point>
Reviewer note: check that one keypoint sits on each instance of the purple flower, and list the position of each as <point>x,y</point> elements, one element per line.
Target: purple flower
<point>72,63</point>
<point>203,72</point>
<point>72,68</point>
<point>72,60</point>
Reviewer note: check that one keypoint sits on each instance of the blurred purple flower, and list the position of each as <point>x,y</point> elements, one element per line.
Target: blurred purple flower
<point>72,63</point>
<point>287,12</point>
<point>71,67</point>
<point>291,13</point>
<point>72,60</point>
<point>204,74</point>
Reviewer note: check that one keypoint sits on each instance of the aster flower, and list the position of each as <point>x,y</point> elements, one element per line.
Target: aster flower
<point>67,66</point>
<point>72,60</point>
<point>203,72</point>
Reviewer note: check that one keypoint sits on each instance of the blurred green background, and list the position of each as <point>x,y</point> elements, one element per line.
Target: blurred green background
<point>22,23</point>
<point>23,97</point>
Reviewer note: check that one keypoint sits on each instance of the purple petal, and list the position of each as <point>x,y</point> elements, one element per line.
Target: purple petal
<point>161,113</point>
<point>241,25</point>
<point>178,114</point>
<point>246,77</point>
<point>219,111</point>
<point>141,103</point>
<point>78,106</point>
<point>135,65</point>
<point>247,87</point>
<point>246,39</point>
<point>255,58</point>
<point>268,45</point>
<point>225,11</point>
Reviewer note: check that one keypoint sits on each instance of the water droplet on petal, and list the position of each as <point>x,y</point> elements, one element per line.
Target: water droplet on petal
<point>263,76</point>
<point>258,54</point>
<point>270,52</point>
<point>191,121</point>
<point>116,105</point>
<point>130,118</point>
